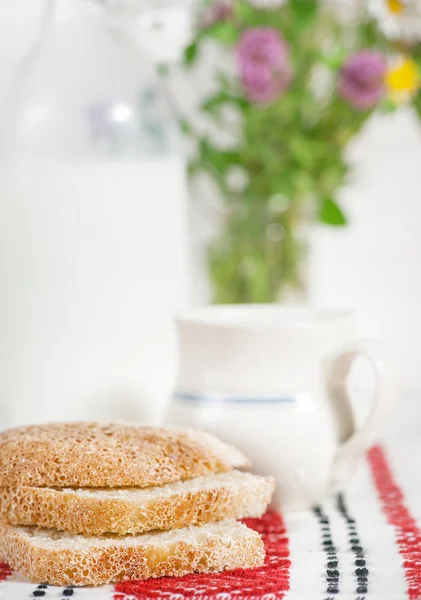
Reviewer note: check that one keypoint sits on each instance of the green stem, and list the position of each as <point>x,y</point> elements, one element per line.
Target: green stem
<point>251,261</point>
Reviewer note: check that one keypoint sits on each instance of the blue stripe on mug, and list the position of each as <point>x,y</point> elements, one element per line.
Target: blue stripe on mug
<point>223,399</point>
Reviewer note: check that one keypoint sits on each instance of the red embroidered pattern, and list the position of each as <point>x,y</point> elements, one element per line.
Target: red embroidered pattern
<point>408,534</point>
<point>272,578</point>
<point>5,571</point>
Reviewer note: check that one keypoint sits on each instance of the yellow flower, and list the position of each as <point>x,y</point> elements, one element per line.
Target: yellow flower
<point>403,79</point>
<point>395,6</point>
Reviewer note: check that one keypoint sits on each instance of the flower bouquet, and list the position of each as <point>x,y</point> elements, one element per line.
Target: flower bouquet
<point>293,82</point>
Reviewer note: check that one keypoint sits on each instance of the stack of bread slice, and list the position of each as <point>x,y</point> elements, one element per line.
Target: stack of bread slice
<point>91,503</point>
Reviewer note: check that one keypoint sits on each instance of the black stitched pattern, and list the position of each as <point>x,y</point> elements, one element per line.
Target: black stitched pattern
<point>40,591</point>
<point>361,570</point>
<point>332,574</point>
<point>68,592</point>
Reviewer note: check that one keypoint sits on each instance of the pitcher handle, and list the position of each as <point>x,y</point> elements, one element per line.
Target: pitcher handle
<point>358,439</point>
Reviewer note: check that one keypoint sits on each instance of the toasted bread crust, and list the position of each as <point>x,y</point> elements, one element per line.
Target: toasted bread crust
<point>108,564</point>
<point>67,511</point>
<point>109,455</point>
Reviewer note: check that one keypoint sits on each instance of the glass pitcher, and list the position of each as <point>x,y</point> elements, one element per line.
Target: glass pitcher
<point>92,222</point>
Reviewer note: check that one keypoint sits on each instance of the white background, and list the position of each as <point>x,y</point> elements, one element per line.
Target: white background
<point>374,265</point>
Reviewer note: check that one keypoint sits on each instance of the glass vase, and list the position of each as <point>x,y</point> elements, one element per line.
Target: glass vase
<point>251,252</point>
<point>260,253</point>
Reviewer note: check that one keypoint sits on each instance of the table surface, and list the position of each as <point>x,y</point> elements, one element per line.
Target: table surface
<point>363,544</point>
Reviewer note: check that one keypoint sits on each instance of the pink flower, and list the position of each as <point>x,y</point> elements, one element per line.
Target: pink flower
<point>264,65</point>
<point>362,79</point>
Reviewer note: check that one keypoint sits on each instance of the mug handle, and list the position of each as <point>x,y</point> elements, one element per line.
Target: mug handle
<point>358,440</point>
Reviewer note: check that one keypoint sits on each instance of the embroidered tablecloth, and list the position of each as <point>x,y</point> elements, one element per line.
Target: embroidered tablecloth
<point>362,544</point>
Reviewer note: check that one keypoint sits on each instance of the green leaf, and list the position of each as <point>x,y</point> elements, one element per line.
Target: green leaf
<point>388,106</point>
<point>303,183</point>
<point>185,126</point>
<point>224,32</point>
<point>303,11</point>
<point>301,151</point>
<point>334,59</point>
<point>219,160</point>
<point>190,53</point>
<point>221,98</point>
<point>331,213</point>
<point>245,12</point>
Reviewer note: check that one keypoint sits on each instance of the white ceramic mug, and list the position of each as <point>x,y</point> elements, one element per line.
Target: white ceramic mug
<point>271,380</point>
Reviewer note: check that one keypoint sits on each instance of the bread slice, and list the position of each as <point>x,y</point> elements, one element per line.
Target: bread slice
<point>135,510</point>
<point>48,556</point>
<point>109,455</point>
<point>2,555</point>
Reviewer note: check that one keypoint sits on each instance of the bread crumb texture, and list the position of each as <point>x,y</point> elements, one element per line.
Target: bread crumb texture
<point>62,559</point>
<point>109,455</point>
<point>135,510</point>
